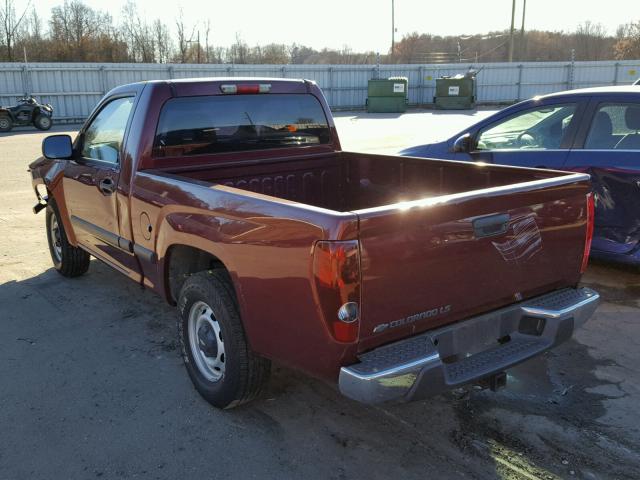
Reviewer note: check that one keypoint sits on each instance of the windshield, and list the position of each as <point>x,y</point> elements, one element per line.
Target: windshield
<point>217,124</point>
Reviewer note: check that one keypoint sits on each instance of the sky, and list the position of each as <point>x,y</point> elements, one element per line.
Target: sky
<point>365,25</point>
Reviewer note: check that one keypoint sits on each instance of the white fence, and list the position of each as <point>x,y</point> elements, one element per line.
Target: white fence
<point>74,88</point>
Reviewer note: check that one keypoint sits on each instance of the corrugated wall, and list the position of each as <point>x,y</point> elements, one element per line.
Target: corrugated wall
<point>74,88</point>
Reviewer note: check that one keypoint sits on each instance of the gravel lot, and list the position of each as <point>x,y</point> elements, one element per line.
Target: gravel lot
<point>92,384</point>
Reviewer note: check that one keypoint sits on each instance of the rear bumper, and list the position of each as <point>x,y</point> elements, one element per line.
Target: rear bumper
<point>467,351</point>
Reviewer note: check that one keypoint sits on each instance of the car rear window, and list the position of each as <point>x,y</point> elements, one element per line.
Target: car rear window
<point>217,124</point>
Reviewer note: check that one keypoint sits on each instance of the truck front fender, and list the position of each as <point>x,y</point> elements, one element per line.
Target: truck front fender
<point>50,174</point>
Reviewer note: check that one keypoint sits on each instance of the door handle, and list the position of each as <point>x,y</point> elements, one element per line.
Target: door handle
<point>107,186</point>
<point>491,225</point>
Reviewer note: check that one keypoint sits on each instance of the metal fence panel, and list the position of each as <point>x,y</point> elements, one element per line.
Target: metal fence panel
<point>75,88</point>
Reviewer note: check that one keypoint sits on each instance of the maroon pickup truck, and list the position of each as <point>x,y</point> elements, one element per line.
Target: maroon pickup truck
<point>397,277</point>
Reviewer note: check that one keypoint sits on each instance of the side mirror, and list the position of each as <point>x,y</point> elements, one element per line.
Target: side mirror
<point>57,147</point>
<point>462,143</point>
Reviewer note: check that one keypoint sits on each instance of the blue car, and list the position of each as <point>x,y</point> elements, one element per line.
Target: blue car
<point>594,130</point>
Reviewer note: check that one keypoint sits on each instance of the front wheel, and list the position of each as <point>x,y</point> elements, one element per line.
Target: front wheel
<point>218,359</point>
<point>68,260</point>
<point>6,124</point>
<point>43,122</point>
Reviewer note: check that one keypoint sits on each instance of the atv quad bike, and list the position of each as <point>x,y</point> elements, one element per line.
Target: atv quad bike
<point>27,112</point>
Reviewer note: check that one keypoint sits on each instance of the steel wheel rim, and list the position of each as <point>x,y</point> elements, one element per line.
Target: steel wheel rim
<point>45,122</point>
<point>208,354</point>
<point>56,239</point>
<point>4,123</point>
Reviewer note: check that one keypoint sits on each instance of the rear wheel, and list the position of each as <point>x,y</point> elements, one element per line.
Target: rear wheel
<point>218,359</point>
<point>42,122</point>
<point>68,260</point>
<point>6,124</point>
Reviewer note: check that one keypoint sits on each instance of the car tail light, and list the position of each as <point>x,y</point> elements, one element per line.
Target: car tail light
<point>244,89</point>
<point>589,234</point>
<point>336,272</point>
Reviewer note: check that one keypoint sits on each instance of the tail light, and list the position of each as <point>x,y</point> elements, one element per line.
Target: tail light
<point>244,89</point>
<point>336,272</point>
<point>589,234</point>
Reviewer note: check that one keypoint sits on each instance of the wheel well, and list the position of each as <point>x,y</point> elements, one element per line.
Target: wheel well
<point>183,261</point>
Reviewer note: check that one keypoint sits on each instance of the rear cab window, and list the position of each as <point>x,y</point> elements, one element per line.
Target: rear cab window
<point>219,124</point>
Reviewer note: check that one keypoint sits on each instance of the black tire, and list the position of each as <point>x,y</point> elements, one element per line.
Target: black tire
<point>68,260</point>
<point>244,372</point>
<point>6,124</point>
<point>42,122</point>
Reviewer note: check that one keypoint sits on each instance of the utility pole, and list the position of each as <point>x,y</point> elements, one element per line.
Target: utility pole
<point>393,27</point>
<point>524,11</point>
<point>513,18</point>
<point>198,46</point>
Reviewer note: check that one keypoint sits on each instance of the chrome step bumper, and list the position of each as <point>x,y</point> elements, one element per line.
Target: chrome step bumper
<point>467,351</point>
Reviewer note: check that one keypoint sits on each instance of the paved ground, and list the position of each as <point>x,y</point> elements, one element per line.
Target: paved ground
<point>391,132</point>
<point>91,383</point>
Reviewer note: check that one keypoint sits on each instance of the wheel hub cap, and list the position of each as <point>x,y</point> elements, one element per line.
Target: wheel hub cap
<point>56,240</point>
<point>206,342</point>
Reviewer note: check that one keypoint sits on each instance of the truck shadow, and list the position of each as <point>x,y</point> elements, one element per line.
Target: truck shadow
<point>548,414</point>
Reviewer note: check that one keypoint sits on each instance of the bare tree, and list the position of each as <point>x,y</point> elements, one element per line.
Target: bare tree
<point>407,49</point>
<point>139,35</point>
<point>35,24</point>
<point>183,39</point>
<point>10,23</point>
<point>589,41</point>
<point>162,41</point>
<point>628,45</point>
<point>238,52</point>
<point>76,32</point>
<point>81,34</point>
<point>207,30</point>
<point>275,54</point>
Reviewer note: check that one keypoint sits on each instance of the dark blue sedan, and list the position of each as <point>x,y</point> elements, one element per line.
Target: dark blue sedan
<point>594,130</point>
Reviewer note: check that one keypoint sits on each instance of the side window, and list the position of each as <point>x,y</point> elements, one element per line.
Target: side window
<point>615,126</point>
<point>541,128</point>
<point>103,137</point>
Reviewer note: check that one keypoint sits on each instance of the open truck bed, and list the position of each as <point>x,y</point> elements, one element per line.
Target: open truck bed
<point>453,237</point>
<point>349,181</point>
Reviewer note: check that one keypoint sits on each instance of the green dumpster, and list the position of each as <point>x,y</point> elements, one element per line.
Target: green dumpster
<point>388,95</point>
<point>455,93</point>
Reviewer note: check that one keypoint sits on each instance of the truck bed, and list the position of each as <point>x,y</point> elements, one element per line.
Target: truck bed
<point>346,181</point>
<point>477,237</point>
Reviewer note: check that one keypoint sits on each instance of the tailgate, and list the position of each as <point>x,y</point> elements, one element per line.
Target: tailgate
<point>435,261</point>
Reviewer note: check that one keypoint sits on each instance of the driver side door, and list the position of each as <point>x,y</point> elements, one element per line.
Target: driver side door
<point>538,137</point>
<point>90,185</point>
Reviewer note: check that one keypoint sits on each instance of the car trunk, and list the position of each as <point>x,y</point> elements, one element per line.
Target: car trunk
<point>439,240</point>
